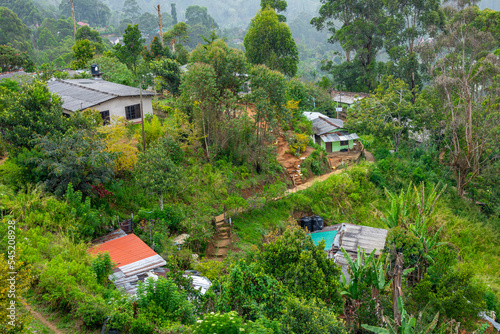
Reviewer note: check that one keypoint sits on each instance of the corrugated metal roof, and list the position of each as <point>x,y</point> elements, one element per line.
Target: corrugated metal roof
<point>200,283</point>
<point>332,137</point>
<point>347,97</point>
<point>125,250</point>
<point>134,260</point>
<point>110,236</point>
<point>368,238</point>
<point>322,125</point>
<point>80,94</point>
<point>312,115</point>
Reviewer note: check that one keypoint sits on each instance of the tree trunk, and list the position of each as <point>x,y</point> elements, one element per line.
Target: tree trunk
<point>73,16</point>
<point>160,195</point>
<point>396,288</point>
<point>159,25</point>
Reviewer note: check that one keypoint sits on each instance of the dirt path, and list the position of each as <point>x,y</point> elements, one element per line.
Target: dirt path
<point>43,320</point>
<point>321,178</point>
<point>309,183</point>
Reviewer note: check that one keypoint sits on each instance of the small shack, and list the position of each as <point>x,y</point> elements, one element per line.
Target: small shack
<point>135,261</point>
<point>329,133</point>
<point>350,237</point>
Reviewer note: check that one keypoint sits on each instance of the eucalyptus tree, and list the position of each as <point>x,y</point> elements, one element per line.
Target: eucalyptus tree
<point>412,21</point>
<point>465,76</point>
<point>360,28</point>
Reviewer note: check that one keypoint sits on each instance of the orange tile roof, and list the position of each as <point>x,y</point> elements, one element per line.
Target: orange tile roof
<point>124,250</point>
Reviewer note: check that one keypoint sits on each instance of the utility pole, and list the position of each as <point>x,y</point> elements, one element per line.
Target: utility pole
<point>159,24</point>
<point>73,15</point>
<point>142,121</point>
<point>339,109</point>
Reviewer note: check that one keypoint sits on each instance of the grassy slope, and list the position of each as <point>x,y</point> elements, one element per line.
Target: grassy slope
<point>351,198</point>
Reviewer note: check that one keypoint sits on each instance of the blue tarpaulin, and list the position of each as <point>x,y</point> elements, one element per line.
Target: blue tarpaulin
<point>328,236</point>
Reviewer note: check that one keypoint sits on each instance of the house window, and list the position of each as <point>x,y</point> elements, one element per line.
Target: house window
<point>133,112</point>
<point>105,117</point>
<point>344,142</point>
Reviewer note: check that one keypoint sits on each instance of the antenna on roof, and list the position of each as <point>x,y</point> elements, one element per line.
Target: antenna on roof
<point>94,70</point>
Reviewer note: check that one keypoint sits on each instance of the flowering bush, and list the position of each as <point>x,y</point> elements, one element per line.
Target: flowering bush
<point>217,323</point>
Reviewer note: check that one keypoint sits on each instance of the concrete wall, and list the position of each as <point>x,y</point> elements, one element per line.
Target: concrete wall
<point>336,146</point>
<point>117,106</point>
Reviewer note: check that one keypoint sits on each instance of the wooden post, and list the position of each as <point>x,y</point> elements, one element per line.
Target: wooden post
<point>73,16</point>
<point>396,288</point>
<point>142,121</point>
<point>159,24</point>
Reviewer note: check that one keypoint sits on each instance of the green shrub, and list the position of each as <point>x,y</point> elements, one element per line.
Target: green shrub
<point>102,267</point>
<point>217,323</point>
<point>316,162</point>
<point>92,311</point>
<point>168,298</point>
<point>64,285</point>
<point>309,316</point>
<point>141,325</point>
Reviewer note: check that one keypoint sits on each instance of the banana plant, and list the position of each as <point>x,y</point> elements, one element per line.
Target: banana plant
<point>408,324</point>
<point>366,271</point>
<point>399,211</point>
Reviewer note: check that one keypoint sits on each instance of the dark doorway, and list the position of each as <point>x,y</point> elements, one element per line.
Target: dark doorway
<point>329,147</point>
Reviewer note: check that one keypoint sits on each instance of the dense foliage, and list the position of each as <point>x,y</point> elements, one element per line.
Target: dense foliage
<point>226,127</point>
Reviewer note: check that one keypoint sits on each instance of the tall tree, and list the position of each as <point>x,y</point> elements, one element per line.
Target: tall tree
<point>466,76</point>
<point>362,31</point>
<point>269,90</point>
<point>93,36</point>
<point>13,32</point>
<point>158,169</point>
<point>179,34</point>
<point>129,52</point>
<point>411,21</point>
<point>83,51</point>
<point>278,5</point>
<point>388,113</point>
<point>173,13</point>
<point>12,59</point>
<point>131,10</point>
<point>270,42</point>
<point>30,113</point>
<point>199,15</point>
<point>229,64</point>
<point>73,17</point>
<point>95,12</point>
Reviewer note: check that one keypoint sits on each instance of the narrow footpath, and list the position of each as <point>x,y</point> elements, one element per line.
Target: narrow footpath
<point>43,320</point>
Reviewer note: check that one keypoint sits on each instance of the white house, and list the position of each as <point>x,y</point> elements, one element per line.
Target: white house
<point>110,99</point>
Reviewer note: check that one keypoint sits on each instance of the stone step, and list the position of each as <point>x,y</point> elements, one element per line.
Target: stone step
<point>224,243</point>
<point>222,224</point>
<point>221,252</point>
<point>219,218</point>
